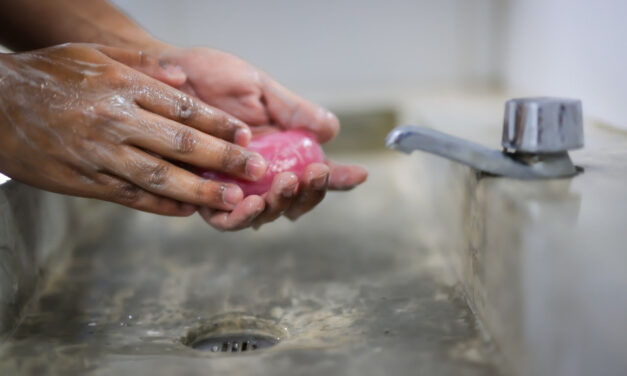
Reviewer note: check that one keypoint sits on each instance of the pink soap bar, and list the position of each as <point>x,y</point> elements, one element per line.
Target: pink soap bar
<point>283,151</point>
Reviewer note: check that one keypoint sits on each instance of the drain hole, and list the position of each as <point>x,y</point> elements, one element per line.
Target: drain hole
<point>234,333</point>
<point>234,343</point>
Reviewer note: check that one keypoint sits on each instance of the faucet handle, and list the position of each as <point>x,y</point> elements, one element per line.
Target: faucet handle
<point>542,125</point>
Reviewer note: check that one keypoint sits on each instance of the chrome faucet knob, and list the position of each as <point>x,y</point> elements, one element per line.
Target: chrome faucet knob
<point>542,125</point>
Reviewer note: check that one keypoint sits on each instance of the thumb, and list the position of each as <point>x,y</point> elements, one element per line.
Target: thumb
<point>289,111</point>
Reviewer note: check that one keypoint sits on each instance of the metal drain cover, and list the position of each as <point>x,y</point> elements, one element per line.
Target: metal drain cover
<point>234,343</point>
<point>233,333</point>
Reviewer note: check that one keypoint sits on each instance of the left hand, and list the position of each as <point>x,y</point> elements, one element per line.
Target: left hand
<point>240,89</point>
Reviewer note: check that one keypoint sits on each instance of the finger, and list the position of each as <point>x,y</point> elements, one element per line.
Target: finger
<point>165,179</point>
<point>247,106</point>
<point>182,143</point>
<point>137,59</point>
<point>263,130</point>
<point>290,111</point>
<point>278,198</point>
<point>312,189</point>
<point>183,108</point>
<point>241,217</point>
<point>130,195</point>
<point>346,177</point>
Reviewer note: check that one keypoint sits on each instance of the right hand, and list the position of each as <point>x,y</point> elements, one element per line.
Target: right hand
<point>78,119</point>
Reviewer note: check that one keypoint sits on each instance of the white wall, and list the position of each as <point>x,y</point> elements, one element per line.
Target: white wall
<point>338,45</point>
<point>574,48</point>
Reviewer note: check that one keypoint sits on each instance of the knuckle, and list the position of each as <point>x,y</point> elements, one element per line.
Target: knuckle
<point>227,125</point>
<point>184,141</point>
<point>105,118</point>
<point>226,159</point>
<point>233,158</point>
<point>185,108</point>
<point>116,75</point>
<point>126,193</point>
<point>157,176</point>
<point>104,110</point>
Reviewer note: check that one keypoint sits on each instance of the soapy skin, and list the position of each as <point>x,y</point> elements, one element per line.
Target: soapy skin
<point>75,120</point>
<point>288,151</point>
<point>118,166</point>
<point>243,90</point>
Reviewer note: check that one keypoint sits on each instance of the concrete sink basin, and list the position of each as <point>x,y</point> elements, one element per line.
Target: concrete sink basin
<point>349,289</point>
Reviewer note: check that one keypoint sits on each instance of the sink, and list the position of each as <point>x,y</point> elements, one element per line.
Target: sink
<point>428,268</point>
<point>352,288</point>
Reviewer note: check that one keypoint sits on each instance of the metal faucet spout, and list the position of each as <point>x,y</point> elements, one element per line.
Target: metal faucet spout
<point>408,138</point>
<point>537,134</point>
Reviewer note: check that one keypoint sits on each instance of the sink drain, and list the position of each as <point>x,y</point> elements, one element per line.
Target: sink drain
<point>234,333</point>
<point>235,343</point>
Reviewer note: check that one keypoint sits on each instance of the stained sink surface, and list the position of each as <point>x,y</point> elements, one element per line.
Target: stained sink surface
<point>350,285</point>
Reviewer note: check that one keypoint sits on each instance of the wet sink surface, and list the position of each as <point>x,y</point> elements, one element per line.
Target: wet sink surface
<point>350,286</point>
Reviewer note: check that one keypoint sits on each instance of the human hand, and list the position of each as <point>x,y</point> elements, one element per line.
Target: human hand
<point>230,84</point>
<point>77,119</point>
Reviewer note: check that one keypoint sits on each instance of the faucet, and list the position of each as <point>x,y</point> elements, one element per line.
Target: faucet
<point>537,134</point>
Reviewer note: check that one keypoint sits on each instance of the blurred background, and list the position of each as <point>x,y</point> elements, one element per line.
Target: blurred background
<point>330,49</point>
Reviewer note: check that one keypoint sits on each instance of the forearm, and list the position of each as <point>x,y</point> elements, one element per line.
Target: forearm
<point>30,24</point>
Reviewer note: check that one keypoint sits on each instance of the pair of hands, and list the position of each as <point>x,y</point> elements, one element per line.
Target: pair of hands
<point>117,124</point>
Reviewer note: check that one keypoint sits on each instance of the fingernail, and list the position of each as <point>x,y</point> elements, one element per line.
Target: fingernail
<point>255,166</point>
<point>232,195</point>
<point>289,192</point>
<point>320,182</point>
<point>242,136</point>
